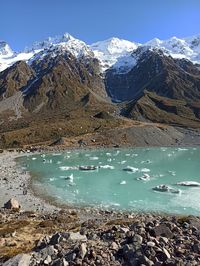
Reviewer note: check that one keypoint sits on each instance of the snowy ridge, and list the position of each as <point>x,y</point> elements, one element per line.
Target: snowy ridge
<point>188,48</point>
<point>112,53</point>
<point>39,49</point>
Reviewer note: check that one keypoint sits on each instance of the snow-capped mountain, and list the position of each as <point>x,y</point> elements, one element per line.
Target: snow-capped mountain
<point>39,49</point>
<point>188,48</point>
<point>112,53</point>
<point>115,52</point>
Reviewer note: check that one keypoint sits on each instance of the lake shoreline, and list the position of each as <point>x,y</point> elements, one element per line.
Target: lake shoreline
<point>14,180</point>
<point>44,233</point>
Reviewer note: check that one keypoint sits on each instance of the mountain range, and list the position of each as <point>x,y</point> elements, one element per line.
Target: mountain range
<point>64,87</point>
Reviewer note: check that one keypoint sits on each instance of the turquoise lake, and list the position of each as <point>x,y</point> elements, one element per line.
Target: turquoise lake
<point>109,186</point>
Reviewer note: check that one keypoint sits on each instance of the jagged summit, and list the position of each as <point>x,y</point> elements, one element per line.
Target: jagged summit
<point>5,49</point>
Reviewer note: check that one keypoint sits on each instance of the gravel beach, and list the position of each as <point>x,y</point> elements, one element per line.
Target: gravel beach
<point>14,183</point>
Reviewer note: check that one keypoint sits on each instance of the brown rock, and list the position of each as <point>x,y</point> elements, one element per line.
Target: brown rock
<point>12,204</point>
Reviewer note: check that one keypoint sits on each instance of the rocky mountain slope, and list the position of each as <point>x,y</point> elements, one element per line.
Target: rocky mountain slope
<point>57,87</point>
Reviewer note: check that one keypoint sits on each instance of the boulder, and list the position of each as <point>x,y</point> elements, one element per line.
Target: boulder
<point>12,204</point>
<point>77,237</point>
<point>19,260</point>
<point>162,230</point>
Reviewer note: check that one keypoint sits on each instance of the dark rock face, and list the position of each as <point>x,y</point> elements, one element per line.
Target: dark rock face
<point>176,79</point>
<point>14,78</point>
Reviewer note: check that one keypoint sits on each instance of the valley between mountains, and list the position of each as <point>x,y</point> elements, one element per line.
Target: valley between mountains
<point>113,92</point>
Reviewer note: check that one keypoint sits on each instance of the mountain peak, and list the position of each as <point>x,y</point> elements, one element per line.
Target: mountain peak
<point>5,49</point>
<point>111,50</point>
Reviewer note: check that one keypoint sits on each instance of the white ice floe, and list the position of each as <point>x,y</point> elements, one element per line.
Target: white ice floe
<point>47,161</point>
<point>94,158</point>
<point>117,152</point>
<point>122,162</point>
<point>131,169</point>
<point>34,158</point>
<point>173,173</point>
<point>66,168</point>
<point>134,155</point>
<point>145,177</point>
<point>107,166</point>
<point>123,182</point>
<point>188,184</point>
<point>182,149</point>
<point>145,170</point>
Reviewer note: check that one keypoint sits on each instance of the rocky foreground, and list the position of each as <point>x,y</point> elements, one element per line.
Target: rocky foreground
<point>68,237</point>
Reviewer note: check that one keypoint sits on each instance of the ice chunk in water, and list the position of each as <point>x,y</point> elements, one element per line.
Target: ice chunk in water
<point>145,177</point>
<point>94,158</point>
<point>188,184</point>
<point>66,168</point>
<point>123,182</point>
<point>107,166</point>
<point>131,169</point>
<point>145,170</point>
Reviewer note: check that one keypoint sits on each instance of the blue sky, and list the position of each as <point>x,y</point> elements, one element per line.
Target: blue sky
<point>25,21</point>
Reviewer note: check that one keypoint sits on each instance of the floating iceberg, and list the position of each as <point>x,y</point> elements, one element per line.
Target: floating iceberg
<point>145,177</point>
<point>188,184</point>
<point>131,169</point>
<point>165,188</point>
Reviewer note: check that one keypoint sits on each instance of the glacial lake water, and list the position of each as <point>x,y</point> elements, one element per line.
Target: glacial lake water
<point>109,186</point>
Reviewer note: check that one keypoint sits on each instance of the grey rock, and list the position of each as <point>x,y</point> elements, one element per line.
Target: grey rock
<point>83,250</point>
<point>19,260</point>
<point>151,244</point>
<point>76,237</point>
<point>162,230</point>
<point>196,248</point>
<point>48,260</point>
<point>137,240</point>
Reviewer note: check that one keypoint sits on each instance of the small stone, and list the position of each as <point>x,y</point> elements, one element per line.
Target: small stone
<point>114,246</point>
<point>166,253</point>
<point>137,239</point>
<point>196,248</point>
<point>164,239</point>
<point>83,250</point>
<point>151,244</point>
<point>124,230</point>
<point>48,260</point>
